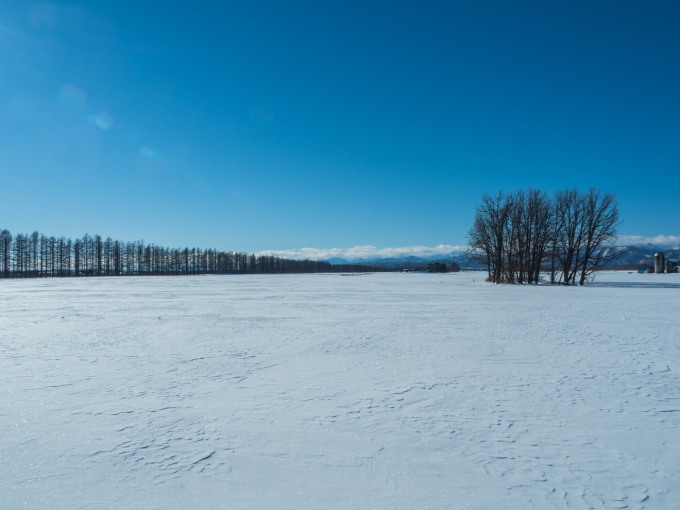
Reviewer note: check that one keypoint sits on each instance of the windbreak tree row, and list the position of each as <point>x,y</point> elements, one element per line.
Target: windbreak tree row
<point>36,255</point>
<point>519,235</point>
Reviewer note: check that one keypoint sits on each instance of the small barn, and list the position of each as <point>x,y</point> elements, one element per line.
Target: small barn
<point>664,265</point>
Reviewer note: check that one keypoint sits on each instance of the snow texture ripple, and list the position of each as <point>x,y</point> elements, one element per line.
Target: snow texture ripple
<point>328,391</point>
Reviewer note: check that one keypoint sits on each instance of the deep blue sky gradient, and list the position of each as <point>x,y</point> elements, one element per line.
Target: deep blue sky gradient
<point>275,125</point>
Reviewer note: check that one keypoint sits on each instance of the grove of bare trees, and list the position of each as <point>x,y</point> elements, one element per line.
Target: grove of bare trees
<point>568,235</point>
<point>36,255</point>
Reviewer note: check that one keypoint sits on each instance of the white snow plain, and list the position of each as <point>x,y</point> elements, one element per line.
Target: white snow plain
<point>328,391</point>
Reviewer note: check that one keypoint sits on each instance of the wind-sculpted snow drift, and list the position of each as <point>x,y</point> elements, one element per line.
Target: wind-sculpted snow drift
<point>326,391</point>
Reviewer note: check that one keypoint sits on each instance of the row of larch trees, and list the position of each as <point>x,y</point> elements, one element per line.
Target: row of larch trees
<point>569,234</point>
<point>36,255</point>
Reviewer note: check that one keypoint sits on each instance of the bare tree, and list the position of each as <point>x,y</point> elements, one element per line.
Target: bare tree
<point>601,219</point>
<point>5,253</point>
<point>488,234</point>
<point>515,234</point>
<point>568,233</point>
<point>77,249</point>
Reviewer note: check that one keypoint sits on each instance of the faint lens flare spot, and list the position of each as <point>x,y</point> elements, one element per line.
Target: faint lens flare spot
<point>149,153</point>
<point>102,120</point>
<point>72,96</point>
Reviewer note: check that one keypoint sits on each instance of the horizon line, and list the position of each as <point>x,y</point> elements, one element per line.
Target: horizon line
<point>364,252</point>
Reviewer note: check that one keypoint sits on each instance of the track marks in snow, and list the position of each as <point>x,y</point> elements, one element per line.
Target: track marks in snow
<point>384,391</point>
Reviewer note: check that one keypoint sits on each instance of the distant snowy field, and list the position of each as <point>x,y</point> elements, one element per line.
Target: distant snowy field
<point>380,391</point>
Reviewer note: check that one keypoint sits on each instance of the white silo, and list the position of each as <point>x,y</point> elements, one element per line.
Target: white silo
<point>659,262</point>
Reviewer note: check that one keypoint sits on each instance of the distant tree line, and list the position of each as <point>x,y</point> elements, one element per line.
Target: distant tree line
<point>569,234</point>
<point>36,255</point>
<point>441,267</point>
<point>416,265</point>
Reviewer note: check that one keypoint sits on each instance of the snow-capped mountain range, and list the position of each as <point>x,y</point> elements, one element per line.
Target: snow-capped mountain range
<point>627,255</point>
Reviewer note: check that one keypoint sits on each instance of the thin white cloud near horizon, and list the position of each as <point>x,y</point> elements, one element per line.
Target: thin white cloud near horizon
<point>364,252</point>
<point>370,252</point>
<point>661,240</point>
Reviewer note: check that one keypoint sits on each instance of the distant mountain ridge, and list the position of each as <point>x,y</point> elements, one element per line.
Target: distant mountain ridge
<point>639,254</point>
<point>642,254</point>
<point>461,257</point>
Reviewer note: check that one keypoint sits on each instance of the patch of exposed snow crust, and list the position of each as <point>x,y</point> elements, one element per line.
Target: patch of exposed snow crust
<point>320,391</point>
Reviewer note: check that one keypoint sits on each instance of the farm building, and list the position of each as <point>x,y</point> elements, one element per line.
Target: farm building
<point>664,265</point>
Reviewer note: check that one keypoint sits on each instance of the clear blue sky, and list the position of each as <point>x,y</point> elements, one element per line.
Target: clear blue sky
<point>277,125</point>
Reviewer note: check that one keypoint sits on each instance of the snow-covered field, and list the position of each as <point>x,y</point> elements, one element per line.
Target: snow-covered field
<point>328,391</point>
